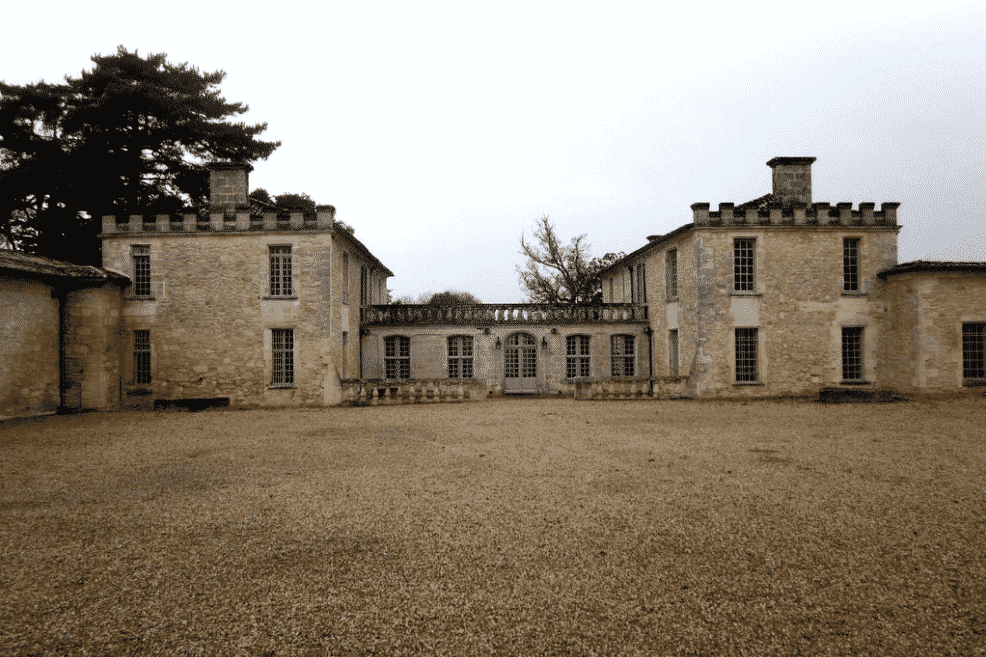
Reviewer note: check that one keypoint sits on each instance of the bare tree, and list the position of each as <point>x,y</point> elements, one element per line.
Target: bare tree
<point>560,273</point>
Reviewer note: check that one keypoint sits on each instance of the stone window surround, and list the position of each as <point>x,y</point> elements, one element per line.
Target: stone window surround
<point>748,252</point>
<point>140,255</point>
<point>288,351</point>
<point>671,274</point>
<point>283,260</point>
<point>750,358</point>
<point>856,343</point>
<point>142,357</point>
<point>578,356</point>
<point>857,288</point>
<point>462,361</point>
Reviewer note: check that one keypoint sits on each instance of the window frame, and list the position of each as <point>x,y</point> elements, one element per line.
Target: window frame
<point>974,353</point>
<point>283,358</point>
<point>140,254</point>
<point>852,359</point>
<point>457,358</point>
<point>620,355</point>
<point>850,265</point>
<point>578,356</point>
<point>671,274</point>
<point>142,357</point>
<point>746,362</point>
<point>280,271</point>
<point>397,357</point>
<point>744,256</point>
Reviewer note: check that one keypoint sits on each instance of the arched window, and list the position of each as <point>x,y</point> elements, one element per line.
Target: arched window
<point>460,357</point>
<point>577,364</point>
<point>622,355</point>
<point>397,357</point>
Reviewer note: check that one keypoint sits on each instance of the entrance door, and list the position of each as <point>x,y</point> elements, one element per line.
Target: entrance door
<point>520,360</point>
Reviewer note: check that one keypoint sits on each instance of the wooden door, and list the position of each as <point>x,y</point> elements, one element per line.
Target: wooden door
<point>520,364</point>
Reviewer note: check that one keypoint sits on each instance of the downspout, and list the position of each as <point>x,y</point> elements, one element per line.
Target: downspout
<point>650,356</point>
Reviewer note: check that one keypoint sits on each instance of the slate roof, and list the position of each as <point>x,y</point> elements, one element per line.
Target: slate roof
<point>934,266</point>
<point>27,263</point>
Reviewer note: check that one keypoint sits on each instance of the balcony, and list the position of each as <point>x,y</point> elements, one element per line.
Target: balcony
<point>488,314</point>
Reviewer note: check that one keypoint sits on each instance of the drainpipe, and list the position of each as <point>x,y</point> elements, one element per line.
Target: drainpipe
<point>650,357</point>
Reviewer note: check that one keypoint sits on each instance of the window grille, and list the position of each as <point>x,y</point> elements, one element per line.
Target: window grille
<point>577,356</point>
<point>671,274</point>
<point>850,264</point>
<point>622,355</point>
<point>852,353</point>
<point>673,352</point>
<point>974,350</point>
<point>141,254</point>
<point>280,271</point>
<point>397,357</point>
<point>746,355</point>
<point>460,357</point>
<point>142,356</point>
<point>283,352</point>
<point>744,264</point>
<point>521,356</point>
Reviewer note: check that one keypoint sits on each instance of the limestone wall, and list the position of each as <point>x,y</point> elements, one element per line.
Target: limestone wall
<point>29,374</point>
<point>92,348</point>
<point>429,351</point>
<point>923,349</point>
<point>798,306</point>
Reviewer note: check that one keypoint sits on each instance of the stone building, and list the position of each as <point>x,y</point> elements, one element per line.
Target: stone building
<point>236,302</point>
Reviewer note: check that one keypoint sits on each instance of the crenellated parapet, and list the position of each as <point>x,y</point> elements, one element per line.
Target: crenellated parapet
<point>796,214</point>
<point>220,222</point>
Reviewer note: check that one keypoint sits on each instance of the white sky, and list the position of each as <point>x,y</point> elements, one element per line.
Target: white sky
<point>442,131</point>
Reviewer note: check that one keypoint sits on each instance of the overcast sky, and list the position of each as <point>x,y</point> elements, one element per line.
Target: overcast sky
<point>442,131</point>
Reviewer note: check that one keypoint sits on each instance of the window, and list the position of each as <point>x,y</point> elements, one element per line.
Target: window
<point>460,357</point>
<point>641,283</point>
<point>974,351</point>
<point>673,352</point>
<point>577,356</point>
<point>280,271</point>
<point>345,278</point>
<point>141,254</point>
<point>633,287</point>
<point>622,355</point>
<point>612,299</point>
<point>746,355</point>
<point>852,353</point>
<point>364,286</point>
<point>397,357</point>
<point>744,264</point>
<point>282,341</point>
<point>142,356</point>
<point>345,352</point>
<point>671,274</point>
<point>850,264</point>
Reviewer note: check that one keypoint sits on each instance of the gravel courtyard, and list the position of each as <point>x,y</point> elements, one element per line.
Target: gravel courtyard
<point>512,527</point>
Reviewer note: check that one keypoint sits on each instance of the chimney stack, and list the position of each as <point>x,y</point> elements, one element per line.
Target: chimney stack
<point>229,186</point>
<point>792,180</point>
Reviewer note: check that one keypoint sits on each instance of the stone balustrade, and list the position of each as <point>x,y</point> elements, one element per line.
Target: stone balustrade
<point>219,222</point>
<point>672,387</point>
<point>421,391</point>
<point>501,313</point>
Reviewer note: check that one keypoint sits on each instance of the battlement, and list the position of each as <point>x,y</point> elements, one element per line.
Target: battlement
<point>796,214</point>
<point>220,222</point>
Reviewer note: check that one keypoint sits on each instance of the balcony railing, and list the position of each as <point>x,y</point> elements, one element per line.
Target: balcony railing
<point>502,313</point>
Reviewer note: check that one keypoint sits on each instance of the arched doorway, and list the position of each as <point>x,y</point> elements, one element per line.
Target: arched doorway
<point>520,364</point>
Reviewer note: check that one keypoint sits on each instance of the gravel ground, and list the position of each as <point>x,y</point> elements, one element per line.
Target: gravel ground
<point>513,527</point>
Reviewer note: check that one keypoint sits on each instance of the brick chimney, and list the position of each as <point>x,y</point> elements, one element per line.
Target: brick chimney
<point>792,180</point>
<point>229,186</point>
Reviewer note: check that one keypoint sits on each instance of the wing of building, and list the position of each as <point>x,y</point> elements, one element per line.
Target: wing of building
<point>239,303</point>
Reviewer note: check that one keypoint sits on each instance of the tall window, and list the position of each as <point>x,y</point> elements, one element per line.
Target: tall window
<point>345,352</point>
<point>641,283</point>
<point>460,357</point>
<point>345,278</point>
<point>577,356</point>
<point>141,254</point>
<point>612,299</point>
<point>852,353</point>
<point>673,352</point>
<point>850,264</point>
<point>282,342</point>
<point>671,274</point>
<point>747,370</point>
<point>633,286</point>
<point>397,357</point>
<point>622,355</point>
<point>364,286</point>
<point>974,351</point>
<point>744,264</point>
<point>280,271</point>
<point>142,357</point>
